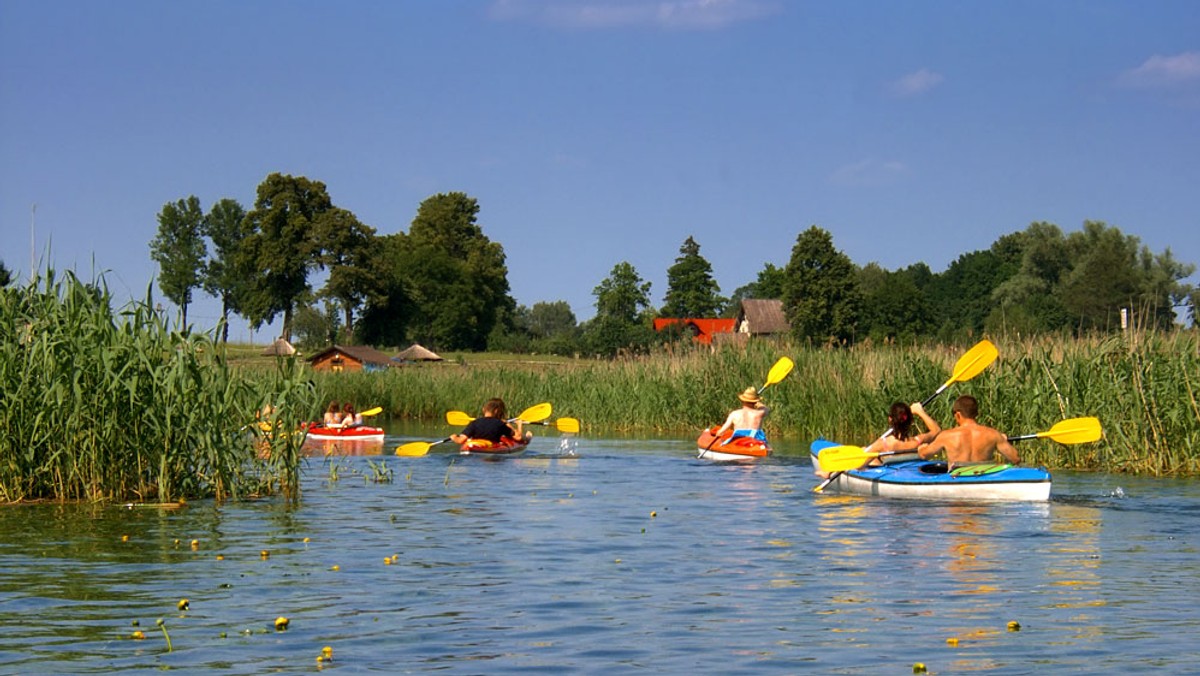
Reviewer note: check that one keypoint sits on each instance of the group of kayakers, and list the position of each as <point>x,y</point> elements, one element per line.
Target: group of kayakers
<point>968,442</point>
<point>339,417</point>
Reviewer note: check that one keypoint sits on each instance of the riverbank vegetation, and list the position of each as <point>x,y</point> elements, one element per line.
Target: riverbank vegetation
<point>107,405</point>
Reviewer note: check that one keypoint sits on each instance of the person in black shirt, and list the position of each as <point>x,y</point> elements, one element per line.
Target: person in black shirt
<point>492,426</point>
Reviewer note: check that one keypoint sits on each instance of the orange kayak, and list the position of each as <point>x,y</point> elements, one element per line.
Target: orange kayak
<point>722,449</point>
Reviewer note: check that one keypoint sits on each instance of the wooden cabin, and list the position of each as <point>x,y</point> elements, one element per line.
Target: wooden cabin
<point>762,317</point>
<point>350,358</point>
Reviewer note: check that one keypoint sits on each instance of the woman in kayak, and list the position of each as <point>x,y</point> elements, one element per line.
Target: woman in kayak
<point>902,439</point>
<point>333,416</point>
<point>747,420</point>
<point>492,426</point>
<point>349,417</point>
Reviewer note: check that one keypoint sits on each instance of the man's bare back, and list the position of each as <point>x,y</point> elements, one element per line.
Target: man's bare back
<point>969,442</point>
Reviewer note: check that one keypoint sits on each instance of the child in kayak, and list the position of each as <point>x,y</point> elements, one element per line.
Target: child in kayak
<point>349,417</point>
<point>492,427</point>
<point>747,420</point>
<point>333,416</point>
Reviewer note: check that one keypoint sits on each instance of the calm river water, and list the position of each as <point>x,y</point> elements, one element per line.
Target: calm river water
<point>607,556</point>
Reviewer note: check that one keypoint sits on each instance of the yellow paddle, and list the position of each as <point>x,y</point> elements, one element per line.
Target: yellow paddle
<point>777,373</point>
<point>416,449</point>
<point>967,367</point>
<point>568,425</point>
<point>1071,431</point>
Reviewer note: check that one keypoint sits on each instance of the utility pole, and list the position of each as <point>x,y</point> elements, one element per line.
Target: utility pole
<point>32,255</point>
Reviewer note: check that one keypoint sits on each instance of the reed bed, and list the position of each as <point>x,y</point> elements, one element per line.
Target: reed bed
<point>101,405</point>
<point>1141,385</point>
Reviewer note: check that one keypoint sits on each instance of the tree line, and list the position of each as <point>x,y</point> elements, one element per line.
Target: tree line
<point>444,283</point>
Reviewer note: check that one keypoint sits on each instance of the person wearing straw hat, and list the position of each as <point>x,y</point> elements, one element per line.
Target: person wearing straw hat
<point>747,420</point>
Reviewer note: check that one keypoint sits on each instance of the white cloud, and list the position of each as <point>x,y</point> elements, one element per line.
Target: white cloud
<point>869,172</point>
<point>1163,71</point>
<point>667,14</point>
<point>915,84</point>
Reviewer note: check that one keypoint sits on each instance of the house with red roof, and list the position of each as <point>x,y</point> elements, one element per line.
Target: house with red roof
<point>703,330</point>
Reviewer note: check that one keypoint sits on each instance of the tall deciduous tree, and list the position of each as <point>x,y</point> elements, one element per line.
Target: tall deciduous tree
<point>348,250</point>
<point>179,250</point>
<point>691,289</point>
<point>458,277</point>
<point>391,306</point>
<point>622,312</point>
<point>5,275</point>
<point>547,320</point>
<point>820,291</point>
<point>893,306</point>
<point>222,278</point>
<point>282,246</point>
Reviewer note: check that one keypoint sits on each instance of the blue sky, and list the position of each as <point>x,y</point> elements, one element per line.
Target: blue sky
<point>601,131</point>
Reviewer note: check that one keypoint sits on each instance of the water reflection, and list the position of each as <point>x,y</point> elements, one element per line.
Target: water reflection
<point>617,556</point>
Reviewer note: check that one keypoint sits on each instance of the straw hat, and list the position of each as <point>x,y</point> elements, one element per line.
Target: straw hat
<point>749,396</point>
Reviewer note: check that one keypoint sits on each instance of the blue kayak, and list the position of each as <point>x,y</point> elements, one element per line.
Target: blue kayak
<point>907,476</point>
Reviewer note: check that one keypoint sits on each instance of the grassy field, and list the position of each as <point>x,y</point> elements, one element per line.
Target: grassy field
<point>1142,386</point>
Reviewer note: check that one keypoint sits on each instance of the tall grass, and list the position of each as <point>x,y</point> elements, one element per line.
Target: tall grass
<point>103,405</point>
<point>1143,387</point>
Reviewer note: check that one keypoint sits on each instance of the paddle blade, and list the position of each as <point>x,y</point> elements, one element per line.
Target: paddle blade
<point>974,362</point>
<point>457,418</point>
<point>372,411</point>
<point>778,372</point>
<point>1075,431</point>
<point>536,413</point>
<point>842,458</point>
<point>568,425</point>
<point>414,449</point>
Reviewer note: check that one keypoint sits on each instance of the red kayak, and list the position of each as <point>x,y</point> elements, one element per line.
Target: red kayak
<point>506,446</point>
<point>357,433</point>
<point>740,449</point>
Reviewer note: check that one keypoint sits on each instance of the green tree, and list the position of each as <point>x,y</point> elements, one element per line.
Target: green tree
<point>315,329</point>
<point>282,246</point>
<point>391,305</point>
<point>961,297</point>
<point>820,290</point>
<point>547,320</point>
<point>691,289</point>
<point>893,308</point>
<point>348,251</point>
<point>622,319</point>
<point>1026,271</point>
<point>179,250</point>
<point>1111,271</point>
<point>221,277</point>
<point>458,277</point>
<point>5,275</point>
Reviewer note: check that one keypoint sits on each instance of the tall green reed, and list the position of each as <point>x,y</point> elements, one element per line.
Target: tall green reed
<point>115,405</point>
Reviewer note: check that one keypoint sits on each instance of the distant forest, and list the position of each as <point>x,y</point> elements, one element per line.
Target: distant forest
<point>444,283</point>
